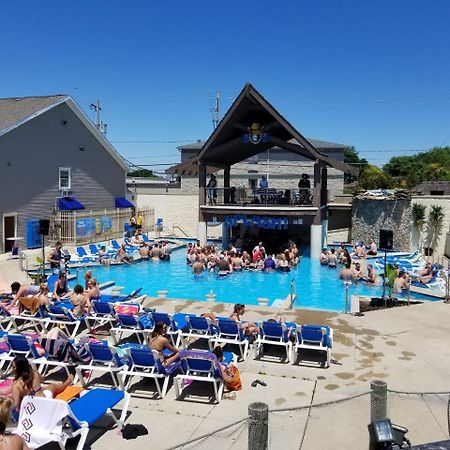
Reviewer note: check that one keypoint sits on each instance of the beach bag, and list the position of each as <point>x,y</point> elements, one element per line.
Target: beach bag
<point>235,384</point>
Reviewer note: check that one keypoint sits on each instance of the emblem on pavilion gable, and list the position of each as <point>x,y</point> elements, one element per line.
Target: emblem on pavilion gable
<point>255,134</point>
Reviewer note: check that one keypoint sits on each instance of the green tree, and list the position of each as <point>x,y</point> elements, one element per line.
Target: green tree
<point>351,157</point>
<point>143,173</point>
<point>374,178</point>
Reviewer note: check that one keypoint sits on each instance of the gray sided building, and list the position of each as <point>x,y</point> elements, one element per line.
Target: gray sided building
<point>49,149</point>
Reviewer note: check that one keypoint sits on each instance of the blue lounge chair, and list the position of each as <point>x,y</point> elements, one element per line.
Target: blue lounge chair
<point>198,328</point>
<point>22,345</point>
<point>103,314</point>
<point>38,428</point>
<point>273,333</point>
<point>230,332</point>
<point>111,298</point>
<point>199,366</point>
<point>146,363</point>
<point>93,249</point>
<point>62,316</point>
<point>84,256</point>
<point>104,359</point>
<point>128,324</point>
<point>313,337</point>
<point>147,240</point>
<point>115,245</point>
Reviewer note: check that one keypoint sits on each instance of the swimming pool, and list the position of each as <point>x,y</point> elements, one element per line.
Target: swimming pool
<point>317,287</point>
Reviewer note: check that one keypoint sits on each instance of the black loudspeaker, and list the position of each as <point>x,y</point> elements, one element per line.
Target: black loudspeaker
<point>386,239</point>
<point>44,227</point>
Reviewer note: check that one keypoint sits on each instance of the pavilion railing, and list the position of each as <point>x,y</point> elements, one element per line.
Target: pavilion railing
<point>241,196</point>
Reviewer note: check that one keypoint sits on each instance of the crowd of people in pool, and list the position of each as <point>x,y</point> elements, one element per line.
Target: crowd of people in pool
<point>354,267</point>
<point>208,258</point>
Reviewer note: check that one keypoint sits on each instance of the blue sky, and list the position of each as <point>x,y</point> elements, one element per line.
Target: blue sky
<point>369,73</point>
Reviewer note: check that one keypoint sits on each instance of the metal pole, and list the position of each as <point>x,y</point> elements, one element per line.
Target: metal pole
<point>384,277</point>
<point>258,426</point>
<point>378,400</point>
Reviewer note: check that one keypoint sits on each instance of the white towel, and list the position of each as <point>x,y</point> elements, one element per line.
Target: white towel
<point>40,420</point>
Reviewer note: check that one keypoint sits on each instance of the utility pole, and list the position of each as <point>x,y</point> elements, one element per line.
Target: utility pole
<point>101,126</point>
<point>216,111</point>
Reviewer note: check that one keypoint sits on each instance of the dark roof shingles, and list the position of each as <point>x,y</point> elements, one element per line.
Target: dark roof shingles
<point>16,110</point>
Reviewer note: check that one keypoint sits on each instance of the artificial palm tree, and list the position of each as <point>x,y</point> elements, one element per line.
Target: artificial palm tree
<point>435,219</point>
<point>419,220</point>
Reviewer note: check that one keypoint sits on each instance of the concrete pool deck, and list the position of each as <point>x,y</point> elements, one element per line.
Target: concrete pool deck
<point>406,347</point>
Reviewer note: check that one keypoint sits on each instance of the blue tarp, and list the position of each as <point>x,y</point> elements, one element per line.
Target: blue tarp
<point>122,202</point>
<point>69,204</point>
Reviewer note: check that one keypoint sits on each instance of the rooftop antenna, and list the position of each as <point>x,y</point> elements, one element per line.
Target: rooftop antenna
<point>101,126</point>
<point>216,111</point>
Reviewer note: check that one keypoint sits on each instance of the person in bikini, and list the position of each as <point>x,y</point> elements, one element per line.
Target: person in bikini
<point>93,290</point>
<point>80,301</point>
<point>247,327</point>
<point>28,381</point>
<point>159,342</point>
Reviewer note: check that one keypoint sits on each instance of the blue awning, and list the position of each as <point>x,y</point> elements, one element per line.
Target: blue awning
<point>122,202</point>
<point>69,204</point>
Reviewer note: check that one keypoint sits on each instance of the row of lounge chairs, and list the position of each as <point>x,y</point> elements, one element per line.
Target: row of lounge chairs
<point>90,254</point>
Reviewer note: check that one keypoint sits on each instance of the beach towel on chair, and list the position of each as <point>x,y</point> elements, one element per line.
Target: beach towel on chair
<point>41,420</point>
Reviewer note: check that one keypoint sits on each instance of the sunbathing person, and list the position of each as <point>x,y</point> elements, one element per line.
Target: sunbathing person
<point>103,256</point>
<point>80,301</point>
<point>247,327</point>
<point>121,255</point>
<point>61,289</point>
<point>28,381</point>
<point>426,274</point>
<point>230,373</point>
<point>159,342</point>
<point>9,441</point>
<point>372,248</point>
<point>87,277</point>
<point>32,303</point>
<point>20,291</point>
<point>93,290</point>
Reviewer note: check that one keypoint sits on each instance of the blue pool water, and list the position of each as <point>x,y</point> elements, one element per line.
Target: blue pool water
<point>317,286</point>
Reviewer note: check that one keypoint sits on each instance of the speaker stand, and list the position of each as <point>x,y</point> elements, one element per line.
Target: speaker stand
<point>384,279</point>
<point>43,259</point>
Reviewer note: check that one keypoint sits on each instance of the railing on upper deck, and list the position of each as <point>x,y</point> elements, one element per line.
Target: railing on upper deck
<point>240,196</point>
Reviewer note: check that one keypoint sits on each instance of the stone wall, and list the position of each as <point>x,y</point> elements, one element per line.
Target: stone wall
<point>371,215</point>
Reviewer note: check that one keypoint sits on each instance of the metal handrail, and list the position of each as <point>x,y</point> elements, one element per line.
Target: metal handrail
<point>258,196</point>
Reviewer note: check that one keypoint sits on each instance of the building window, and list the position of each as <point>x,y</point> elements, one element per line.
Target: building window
<point>65,179</point>
<point>252,182</point>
